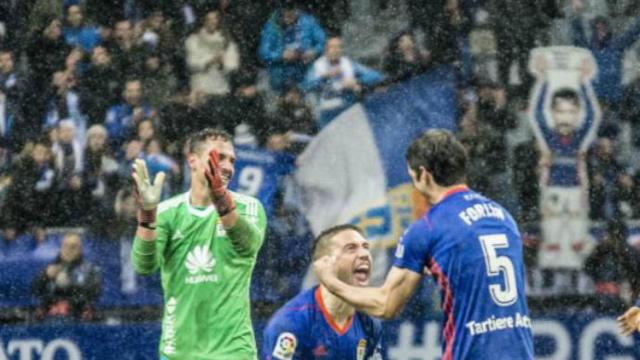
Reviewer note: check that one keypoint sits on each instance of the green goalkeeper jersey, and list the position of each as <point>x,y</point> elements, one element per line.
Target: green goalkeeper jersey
<point>206,273</point>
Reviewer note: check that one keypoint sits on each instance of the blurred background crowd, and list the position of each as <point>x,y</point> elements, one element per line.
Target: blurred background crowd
<point>87,86</point>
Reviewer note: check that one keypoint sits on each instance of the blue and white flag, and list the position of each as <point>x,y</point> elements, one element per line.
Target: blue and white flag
<point>355,170</point>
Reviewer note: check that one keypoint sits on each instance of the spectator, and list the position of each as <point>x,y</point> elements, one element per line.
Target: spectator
<point>630,109</point>
<point>46,52</point>
<point>337,81</point>
<point>403,58</point>
<point>293,124</point>
<point>157,160</point>
<point>47,247</point>
<point>515,38</point>
<point>100,179</point>
<point>31,193</point>
<point>10,92</point>
<point>145,131</point>
<point>486,140</point>
<point>610,186</point>
<point>69,286</point>
<point>64,103</point>
<point>68,161</point>
<point>291,39</point>
<point>248,105</point>
<point>122,119</point>
<point>104,12</point>
<point>186,112</point>
<point>608,51</point>
<point>157,35</point>
<point>133,149</point>
<point>525,163</point>
<point>443,22</point>
<point>5,164</point>
<point>162,54</point>
<point>240,18</point>
<point>77,34</point>
<point>294,113</point>
<point>158,80</point>
<point>611,263</point>
<point>123,229</point>
<point>98,85</point>
<point>127,54</point>
<point>211,56</point>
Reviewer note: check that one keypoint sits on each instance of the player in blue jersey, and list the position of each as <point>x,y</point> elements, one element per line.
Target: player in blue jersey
<point>473,249</point>
<point>317,324</point>
<point>260,173</point>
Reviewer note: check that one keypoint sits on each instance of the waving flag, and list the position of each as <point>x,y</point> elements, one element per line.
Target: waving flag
<point>355,171</point>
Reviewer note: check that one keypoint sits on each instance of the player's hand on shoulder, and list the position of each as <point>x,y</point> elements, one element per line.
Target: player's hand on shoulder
<point>324,268</point>
<point>629,322</point>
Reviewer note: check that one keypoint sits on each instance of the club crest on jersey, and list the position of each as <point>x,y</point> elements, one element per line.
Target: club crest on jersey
<point>285,346</point>
<point>362,347</point>
<point>200,264</point>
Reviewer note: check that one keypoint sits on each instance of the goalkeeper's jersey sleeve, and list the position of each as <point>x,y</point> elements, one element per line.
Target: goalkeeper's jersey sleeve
<point>205,279</point>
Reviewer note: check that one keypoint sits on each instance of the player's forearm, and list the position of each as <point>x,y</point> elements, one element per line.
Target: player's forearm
<point>143,253</point>
<point>243,234</point>
<point>372,301</point>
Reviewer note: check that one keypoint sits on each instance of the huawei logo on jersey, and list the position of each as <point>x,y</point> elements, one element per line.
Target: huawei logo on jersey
<point>199,260</point>
<point>200,263</point>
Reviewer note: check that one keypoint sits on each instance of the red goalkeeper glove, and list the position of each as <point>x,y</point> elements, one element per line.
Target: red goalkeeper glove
<point>221,197</point>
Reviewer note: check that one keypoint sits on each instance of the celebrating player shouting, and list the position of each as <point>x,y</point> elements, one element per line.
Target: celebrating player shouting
<point>205,244</point>
<point>472,247</point>
<point>317,324</point>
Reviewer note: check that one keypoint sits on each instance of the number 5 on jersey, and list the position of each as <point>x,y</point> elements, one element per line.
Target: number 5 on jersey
<point>497,265</point>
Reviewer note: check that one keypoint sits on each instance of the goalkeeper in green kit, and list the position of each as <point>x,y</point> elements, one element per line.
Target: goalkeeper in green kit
<point>204,243</point>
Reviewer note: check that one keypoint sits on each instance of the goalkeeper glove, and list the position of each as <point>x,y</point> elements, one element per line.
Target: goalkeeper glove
<point>147,195</point>
<point>221,197</point>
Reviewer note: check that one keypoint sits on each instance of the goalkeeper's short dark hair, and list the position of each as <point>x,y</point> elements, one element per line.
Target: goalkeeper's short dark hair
<point>322,241</point>
<point>196,139</point>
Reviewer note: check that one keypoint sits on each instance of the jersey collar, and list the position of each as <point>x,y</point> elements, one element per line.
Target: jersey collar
<point>452,191</point>
<point>196,212</point>
<point>327,316</point>
<point>455,190</point>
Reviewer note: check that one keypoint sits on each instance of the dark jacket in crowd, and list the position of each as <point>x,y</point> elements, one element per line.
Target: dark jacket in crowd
<point>30,195</point>
<point>71,293</point>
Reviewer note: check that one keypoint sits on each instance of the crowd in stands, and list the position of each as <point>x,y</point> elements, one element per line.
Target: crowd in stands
<point>88,86</point>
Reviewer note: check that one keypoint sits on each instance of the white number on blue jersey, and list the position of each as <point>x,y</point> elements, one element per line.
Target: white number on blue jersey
<point>250,180</point>
<point>497,265</point>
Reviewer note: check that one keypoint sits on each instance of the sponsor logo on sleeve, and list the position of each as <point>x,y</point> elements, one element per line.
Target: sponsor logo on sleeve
<point>285,346</point>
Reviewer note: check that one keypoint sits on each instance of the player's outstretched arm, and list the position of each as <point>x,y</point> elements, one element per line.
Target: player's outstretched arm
<point>384,302</point>
<point>246,236</point>
<point>629,322</point>
<point>147,197</point>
